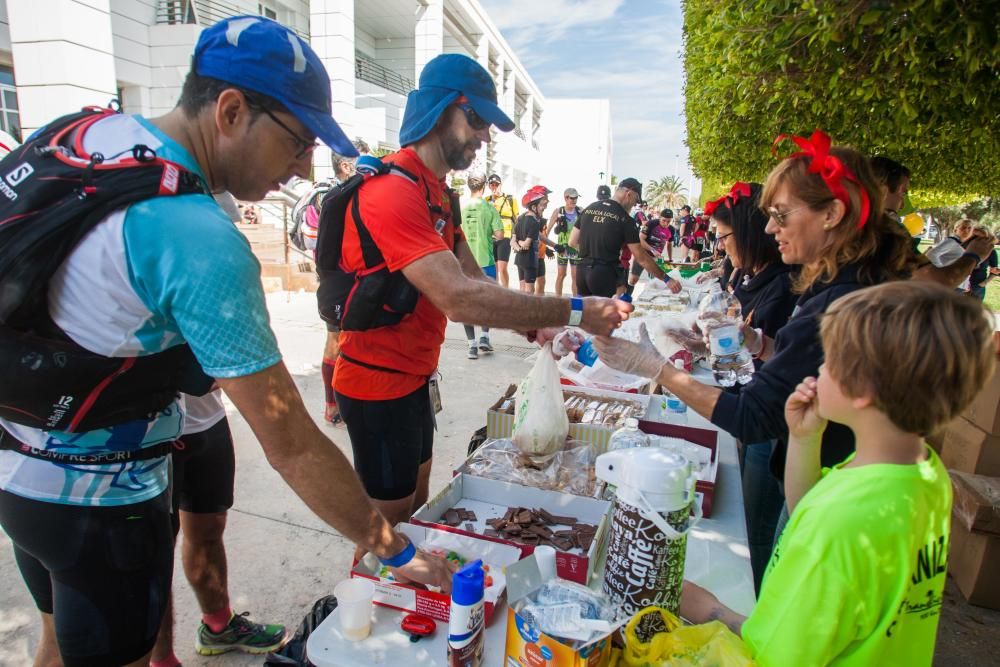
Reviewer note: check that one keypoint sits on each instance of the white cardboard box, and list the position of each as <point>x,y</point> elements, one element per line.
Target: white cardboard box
<point>490,498</point>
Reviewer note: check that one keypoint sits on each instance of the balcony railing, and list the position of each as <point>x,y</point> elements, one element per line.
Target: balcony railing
<point>201,12</point>
<point>368,70</point>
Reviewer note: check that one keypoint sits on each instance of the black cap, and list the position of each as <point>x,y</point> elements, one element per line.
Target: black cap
<point>666,213</point>
<point>633,185</point>
<point>686,208</point>
<point>494,178</point>
<point>603,192</point>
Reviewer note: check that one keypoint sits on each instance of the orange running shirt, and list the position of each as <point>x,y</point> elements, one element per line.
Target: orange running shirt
<point>396,214</point>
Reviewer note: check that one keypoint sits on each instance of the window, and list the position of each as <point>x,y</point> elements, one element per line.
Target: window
<point>10,117</point>
<point>266,11</point>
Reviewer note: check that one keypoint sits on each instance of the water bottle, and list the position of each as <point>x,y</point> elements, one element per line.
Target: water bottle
<point>720,316</point>
<point>628,436</point>
<point>586,355</point>
<point>676,408</point>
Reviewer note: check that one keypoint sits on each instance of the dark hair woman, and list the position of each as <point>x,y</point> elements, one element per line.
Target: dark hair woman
<point>824,209</point>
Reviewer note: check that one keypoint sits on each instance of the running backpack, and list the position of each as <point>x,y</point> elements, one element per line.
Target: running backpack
<point>51,195</point>
<point>375,296</point>
<point>296,234</point>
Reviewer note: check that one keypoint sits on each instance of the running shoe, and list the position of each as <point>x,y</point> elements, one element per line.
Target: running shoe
<point>241,634</point>
<point>473,352</point>
<point>484,345</point>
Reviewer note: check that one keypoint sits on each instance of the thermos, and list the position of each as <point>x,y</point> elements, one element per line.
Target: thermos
<point>650,521</point>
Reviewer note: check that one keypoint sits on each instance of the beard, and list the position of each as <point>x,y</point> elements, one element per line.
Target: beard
<point>455,151</point>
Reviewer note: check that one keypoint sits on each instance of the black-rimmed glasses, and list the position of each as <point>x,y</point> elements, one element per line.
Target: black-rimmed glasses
<point>305,147</point>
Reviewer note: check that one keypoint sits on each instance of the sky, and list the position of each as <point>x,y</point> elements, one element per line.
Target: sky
<point>626,50</point>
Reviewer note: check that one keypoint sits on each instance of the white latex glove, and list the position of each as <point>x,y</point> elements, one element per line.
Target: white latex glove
<point>567,342</point>
<point>708,276</point>
<point>642,358</point>
<point>693,341</point>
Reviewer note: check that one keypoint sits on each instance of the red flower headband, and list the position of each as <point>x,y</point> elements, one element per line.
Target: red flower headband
<point>833,172</point>
<point>739,189</point>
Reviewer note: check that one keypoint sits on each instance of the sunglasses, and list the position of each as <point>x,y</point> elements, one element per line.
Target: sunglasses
<point>780,217</point>
<point>475,121</point>
<point>305,147</point>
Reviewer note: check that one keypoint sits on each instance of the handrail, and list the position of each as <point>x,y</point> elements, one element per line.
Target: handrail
<point>202,12</point>
<point>368,70</point>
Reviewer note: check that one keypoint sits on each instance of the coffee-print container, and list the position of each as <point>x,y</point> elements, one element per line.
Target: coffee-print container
<point>650,521</point>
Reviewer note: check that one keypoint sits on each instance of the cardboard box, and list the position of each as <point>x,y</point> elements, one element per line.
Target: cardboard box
<point>972,561</point>
<point>501,424</point>
<point>392,594</point>
<point>968,448</point>
<point>984,411</point>
<point>976,503</point>
<point>528,646</point>
<point>490,498</point>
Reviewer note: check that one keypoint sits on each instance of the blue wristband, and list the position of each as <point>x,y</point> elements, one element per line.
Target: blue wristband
<point>576,311</point>
<point>402,558</point>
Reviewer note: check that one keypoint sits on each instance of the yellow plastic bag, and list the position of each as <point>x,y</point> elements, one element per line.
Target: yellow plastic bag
<point>656,638</point>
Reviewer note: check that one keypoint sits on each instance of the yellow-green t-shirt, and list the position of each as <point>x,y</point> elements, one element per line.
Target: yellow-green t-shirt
<point>479,222</point>
<point>858,575</point>
<point>506,206</point>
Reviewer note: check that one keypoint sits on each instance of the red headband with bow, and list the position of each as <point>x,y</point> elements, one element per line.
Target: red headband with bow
<point>739,190</point>
<point>833,172</point>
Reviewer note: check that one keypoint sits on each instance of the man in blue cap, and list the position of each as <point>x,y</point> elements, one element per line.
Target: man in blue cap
<point>382,375</point>
<point>94,543</point>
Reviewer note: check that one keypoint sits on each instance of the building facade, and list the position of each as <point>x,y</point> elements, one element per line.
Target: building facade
<point>57,56</point>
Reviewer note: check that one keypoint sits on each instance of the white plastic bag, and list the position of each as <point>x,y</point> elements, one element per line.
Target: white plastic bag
<point>540,421</point>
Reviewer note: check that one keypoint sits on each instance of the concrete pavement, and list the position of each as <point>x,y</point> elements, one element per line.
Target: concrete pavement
<point>281,557</point>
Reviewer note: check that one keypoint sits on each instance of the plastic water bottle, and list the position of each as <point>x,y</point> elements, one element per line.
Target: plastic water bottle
<point>720,316</point>
<point>628,436</point>
<point>676,408</point>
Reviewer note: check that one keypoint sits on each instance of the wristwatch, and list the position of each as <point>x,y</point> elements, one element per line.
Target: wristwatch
<point>576,311</point>
<point>402,558</point>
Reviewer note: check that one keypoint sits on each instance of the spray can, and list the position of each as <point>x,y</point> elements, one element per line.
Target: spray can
<point>466,622</point>
<point>650,521</point>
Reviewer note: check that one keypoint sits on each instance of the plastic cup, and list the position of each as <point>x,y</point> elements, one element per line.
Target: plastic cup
<point>354,607</point>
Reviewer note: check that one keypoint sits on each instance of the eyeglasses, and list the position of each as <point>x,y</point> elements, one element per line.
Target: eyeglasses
<point>780,217</point>
<point>475,121</point>
<point>722,238</point>
<point>305,147</point>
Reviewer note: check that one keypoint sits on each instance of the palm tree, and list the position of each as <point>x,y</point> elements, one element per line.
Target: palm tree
<point>667,192</point>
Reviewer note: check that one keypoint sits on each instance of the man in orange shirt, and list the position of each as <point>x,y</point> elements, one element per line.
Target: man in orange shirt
<point>382,378</point>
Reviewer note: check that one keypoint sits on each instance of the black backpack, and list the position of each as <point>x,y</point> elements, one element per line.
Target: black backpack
<point>50,198</point>
<point>375,297</point>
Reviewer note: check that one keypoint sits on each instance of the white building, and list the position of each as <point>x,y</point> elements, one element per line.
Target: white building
<point>57,56</point>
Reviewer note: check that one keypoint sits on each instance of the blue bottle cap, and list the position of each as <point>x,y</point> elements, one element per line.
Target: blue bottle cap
<point>467,584</point>
<point>627,298</point>
<point>586,355</point>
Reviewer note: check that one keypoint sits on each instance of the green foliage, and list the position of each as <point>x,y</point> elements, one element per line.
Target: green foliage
<point>915,80</point>
<point>667,192</point>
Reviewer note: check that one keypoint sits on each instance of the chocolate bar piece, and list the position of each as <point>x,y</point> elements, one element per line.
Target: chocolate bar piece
<point>489,532</point>
<point>470,528</point>
<point>451,518</point>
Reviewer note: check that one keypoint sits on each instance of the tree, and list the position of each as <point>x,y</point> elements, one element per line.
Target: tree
<point>915,80</point>
<point>668,192</point>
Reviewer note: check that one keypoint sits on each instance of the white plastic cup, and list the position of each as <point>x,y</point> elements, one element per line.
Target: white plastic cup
<point>354,606</point>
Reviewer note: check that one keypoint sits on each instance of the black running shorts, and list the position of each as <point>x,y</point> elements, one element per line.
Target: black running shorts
<point>597,279</point>
<point>204,471</point>
<point>501,250</point>
<point>391,440</point>
<point>103,572</point>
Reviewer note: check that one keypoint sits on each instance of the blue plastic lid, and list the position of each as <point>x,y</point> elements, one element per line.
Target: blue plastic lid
<point>627,298</point>
<point>467,584</point>
<point>586,355</point>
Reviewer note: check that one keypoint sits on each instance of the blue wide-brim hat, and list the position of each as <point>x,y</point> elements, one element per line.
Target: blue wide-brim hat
<point>266,57</point>
<point>443,80</point>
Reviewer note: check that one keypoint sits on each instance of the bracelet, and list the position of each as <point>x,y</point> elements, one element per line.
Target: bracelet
<point>402,558</point>
<point>576,311</point>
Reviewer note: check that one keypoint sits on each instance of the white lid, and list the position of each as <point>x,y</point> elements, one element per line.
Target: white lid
<point>631,422</point>
<point>661,476</point>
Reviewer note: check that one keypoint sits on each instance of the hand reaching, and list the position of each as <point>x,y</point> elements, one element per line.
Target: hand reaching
<point>642,358</point>
<point>428,570</point>
<point>802,412</point>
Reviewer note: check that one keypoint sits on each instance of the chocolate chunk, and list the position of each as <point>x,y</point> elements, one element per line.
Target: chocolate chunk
<point>513,529</point>
<point>491,533</point>
<point>451,518</point>
<point>524,517</point>
<point>585,540</point>
<point>562,520</point>
<point>548,518</point>
<point>541,531</point>
<point>470,528</point>
<point>509,515</point>
<point>471,516</point>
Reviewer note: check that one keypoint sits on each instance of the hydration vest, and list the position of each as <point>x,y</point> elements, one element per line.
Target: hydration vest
<point>51,195</point>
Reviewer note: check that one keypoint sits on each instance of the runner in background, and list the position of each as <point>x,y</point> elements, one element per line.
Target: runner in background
<point>506,206</point>
<point>483,227</point>
<point>562,221</point>
<point>527,240</point>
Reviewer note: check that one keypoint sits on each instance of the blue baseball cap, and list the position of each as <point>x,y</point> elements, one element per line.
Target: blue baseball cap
<point>443,80</point>
<point>264,56</point>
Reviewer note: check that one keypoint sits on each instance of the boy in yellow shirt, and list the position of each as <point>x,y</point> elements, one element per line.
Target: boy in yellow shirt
<point>858,575</point>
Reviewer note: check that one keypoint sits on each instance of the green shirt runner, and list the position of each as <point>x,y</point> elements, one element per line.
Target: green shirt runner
<point>480,221</point>
<point>858,575</point>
